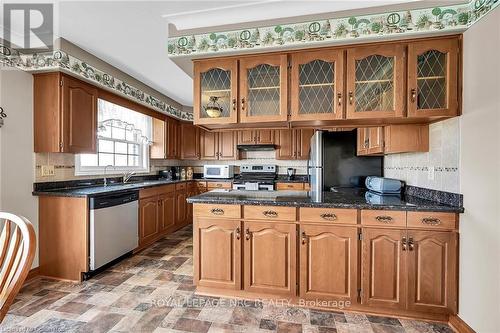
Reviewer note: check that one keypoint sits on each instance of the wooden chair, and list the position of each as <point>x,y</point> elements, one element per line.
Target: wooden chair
<point>17,250</point>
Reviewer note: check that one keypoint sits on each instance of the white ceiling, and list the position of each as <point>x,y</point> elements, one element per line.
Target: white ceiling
<point>132,35</point>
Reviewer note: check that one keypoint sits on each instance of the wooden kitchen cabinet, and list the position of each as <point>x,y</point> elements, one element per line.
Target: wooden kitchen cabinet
<point>255,137</point>
<point>148,220</point>
<point>384,268</point>
<point>270,258</point>
<point>293,144</point>
<point>432,78</point>
<point>432,271</point>
<point>181,204</point>
<point>65,114</point>
<point>216,78</point>
<point>158,149</point>
<point>172,139</point>
<point>375,81</point>
<point>317,84</point>
<point>392,139</point>
<point>217,253</point>
<point>166,211</point>
<point>329,263</point>
<point>189,142</point>
<point>218,145</point>
<point>263,88</point>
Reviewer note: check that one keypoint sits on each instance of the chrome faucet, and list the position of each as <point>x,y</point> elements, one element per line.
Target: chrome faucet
<point>105,179</point>
<point>127,176</point>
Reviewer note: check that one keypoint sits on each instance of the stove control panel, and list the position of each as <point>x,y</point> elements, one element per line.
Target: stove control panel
<point>267,168</point>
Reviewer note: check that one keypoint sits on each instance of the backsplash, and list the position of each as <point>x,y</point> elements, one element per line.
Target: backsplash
<point>443,156</point>
<point>64,165</point>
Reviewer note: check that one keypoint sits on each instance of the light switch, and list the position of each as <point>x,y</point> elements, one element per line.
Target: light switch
<point>48,170</point>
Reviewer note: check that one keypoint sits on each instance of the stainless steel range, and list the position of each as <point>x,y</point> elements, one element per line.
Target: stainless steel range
<point>256,178</point>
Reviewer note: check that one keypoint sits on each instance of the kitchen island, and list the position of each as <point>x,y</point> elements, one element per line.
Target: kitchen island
<point>349,250</point>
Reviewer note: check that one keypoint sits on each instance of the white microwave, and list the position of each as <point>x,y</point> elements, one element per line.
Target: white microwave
<point>218,171</point>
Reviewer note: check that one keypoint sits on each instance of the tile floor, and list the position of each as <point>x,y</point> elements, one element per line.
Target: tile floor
<point>153,292</point>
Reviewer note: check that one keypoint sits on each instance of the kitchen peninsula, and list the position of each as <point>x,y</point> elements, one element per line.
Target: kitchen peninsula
<point>397,257</point>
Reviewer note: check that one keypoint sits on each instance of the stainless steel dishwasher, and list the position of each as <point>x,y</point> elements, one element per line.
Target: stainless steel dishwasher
<point>114,230</point>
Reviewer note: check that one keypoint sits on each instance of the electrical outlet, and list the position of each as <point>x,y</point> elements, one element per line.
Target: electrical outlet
<point>430,173</point>
<point>48,170</point>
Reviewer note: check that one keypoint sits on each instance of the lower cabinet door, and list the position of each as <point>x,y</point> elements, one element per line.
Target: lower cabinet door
<point>148,219</point>
<point>432,268</point>
<point>217,253</point>
<point>329,263</point>
<point>270,258</point>
<point>166,211</point>
<point>181,208</point>
<point>383,267</point>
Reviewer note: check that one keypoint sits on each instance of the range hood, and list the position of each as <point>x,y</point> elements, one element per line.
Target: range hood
<point>261,147</point>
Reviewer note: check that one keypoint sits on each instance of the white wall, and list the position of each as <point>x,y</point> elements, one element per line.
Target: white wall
<point>16,147</point>
<point>443,156</point>
<point>479,302</point>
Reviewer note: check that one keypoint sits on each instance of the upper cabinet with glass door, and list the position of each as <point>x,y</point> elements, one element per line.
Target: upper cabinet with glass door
<point>263,89</point>
<point>432,78</point>
<point>375,81</point>
<point>316,85</point>
<point>215,91</point>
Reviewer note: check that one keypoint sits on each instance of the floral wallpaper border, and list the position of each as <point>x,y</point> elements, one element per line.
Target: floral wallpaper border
<point>60,60</point>
<point>429,20</point>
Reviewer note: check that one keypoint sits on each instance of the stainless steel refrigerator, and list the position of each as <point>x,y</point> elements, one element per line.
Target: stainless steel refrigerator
<point>333,162</point>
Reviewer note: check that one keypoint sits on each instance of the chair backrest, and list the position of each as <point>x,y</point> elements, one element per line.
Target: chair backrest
<point>17,250</point>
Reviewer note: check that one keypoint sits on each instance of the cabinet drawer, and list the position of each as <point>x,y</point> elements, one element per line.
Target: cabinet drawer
<point>432,220</point>
<point>180,186</point>
<point>270,213</point>
<point>290,186</point>
<point>224,185</point>
<point>385,218</point>
<point>222,211</point>
<point>156,190</point>
<point>328,215</point>
<point>201,185</point>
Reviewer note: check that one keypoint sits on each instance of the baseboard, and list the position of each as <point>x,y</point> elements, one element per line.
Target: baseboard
<point>459,325</point>
<point>34,273</point>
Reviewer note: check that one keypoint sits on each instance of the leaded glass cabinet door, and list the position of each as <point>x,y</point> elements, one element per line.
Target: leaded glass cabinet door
<point>375,81</point>
<point>263,89</point>
<point>215,92</point>
<point>432,78</point>
<point>317,85</point>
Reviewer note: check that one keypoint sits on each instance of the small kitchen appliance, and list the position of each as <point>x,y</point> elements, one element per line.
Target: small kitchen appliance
<point>384,185</point>
<point>218,171</point>
<point>256,178</point>
<point>168,174</point>
<point>290,172</point>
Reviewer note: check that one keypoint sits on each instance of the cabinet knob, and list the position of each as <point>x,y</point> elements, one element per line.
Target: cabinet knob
<point>234,104</point>
<point>351,97</point>
<point>431,221</point>
<point>339,99</point>
<point>304,238</point>
<point>243,104</point>
<point>403,243</point>
<point>238,233</point>
<point>328,216</point>
<point>247,234</point>
<point>384,219</point>
<point>411,245</point>
<point>270,213</point>
<point>217,211</point>
<point>413,95</point>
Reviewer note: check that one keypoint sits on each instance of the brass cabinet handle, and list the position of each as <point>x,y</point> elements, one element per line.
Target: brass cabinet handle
<point>384,219</point>
<point>339,99</point>
<point>238,233</point>
<point>270,213</point>
<point>431,221</point>
<point>247,234</point>
<point>413,95</point>
<point>242,103</point>
<point>304,238</point>
<point>329,216</point>
<point>403,242</point>
<point>217,211</point>
<point>411,245</point>
<point>351,97</point>
<point>234,104</point>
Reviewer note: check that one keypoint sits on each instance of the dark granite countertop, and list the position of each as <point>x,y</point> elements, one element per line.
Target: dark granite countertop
<point>342,198</point>
<point>97,190</point>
